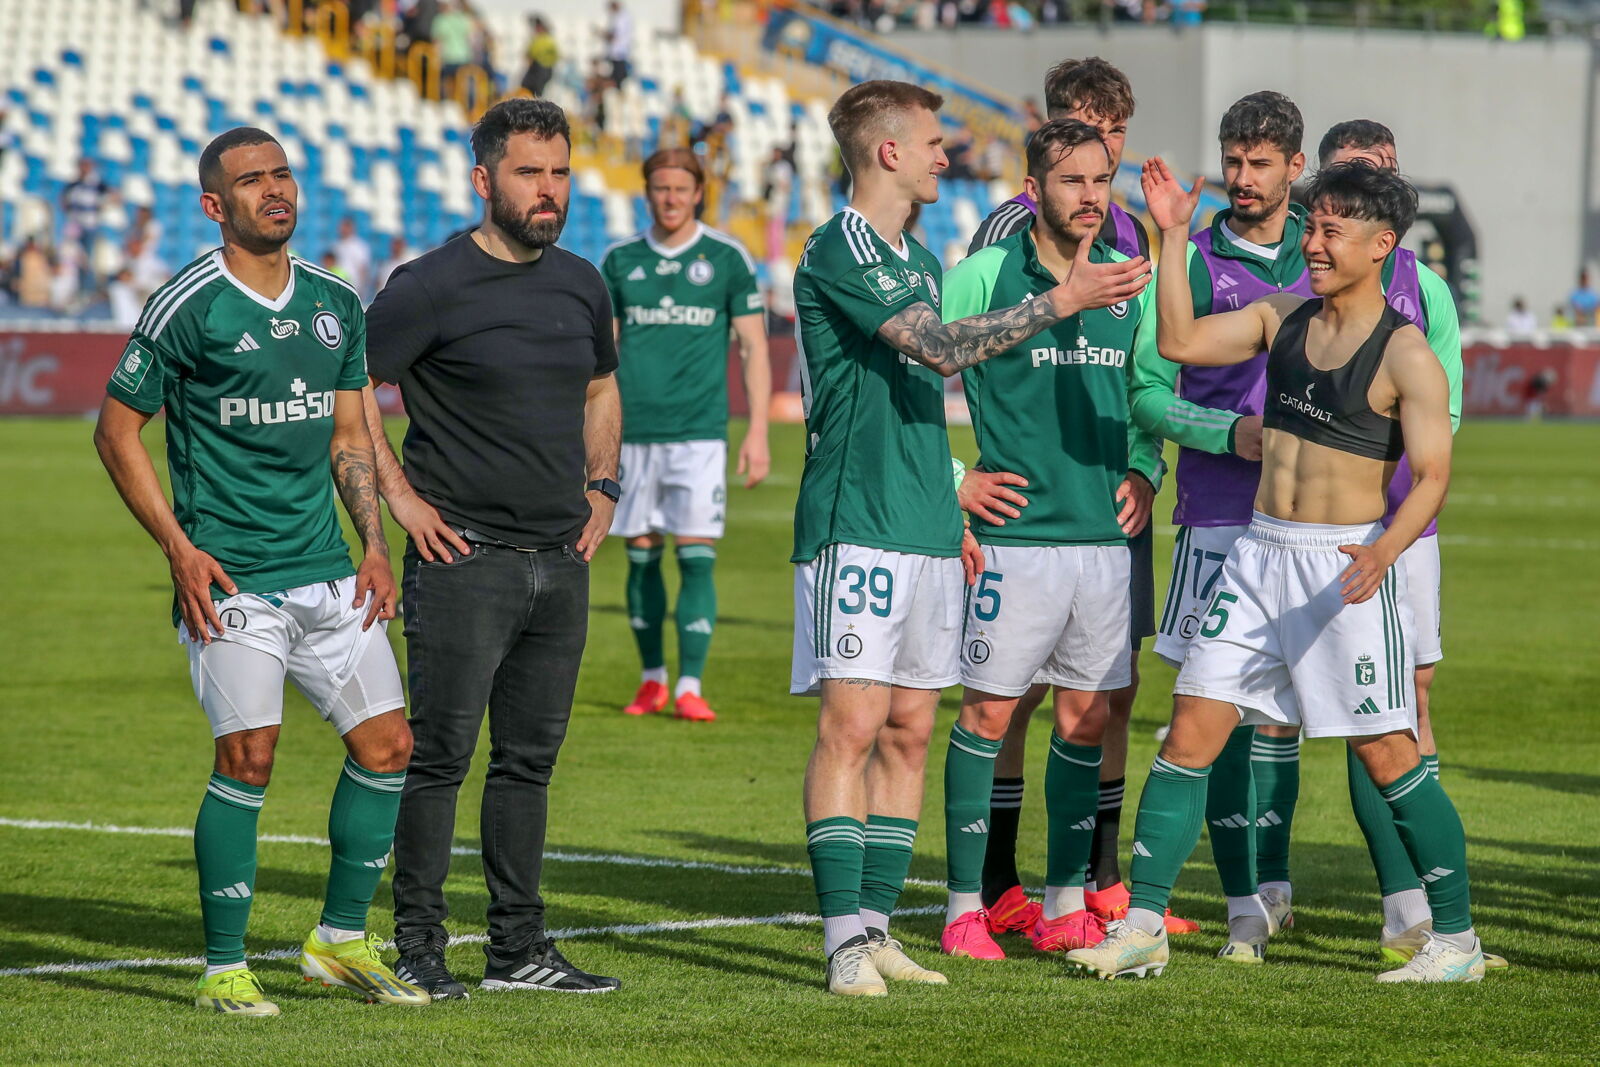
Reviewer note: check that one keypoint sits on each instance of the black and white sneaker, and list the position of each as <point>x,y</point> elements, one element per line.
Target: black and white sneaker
<point>423,966</point>
<point>543,966</point>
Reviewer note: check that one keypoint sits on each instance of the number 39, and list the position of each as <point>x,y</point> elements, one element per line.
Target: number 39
<point>861,586</point>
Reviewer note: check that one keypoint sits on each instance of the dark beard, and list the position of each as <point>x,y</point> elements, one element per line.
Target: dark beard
<point>518,225</point>
<point>1062,225</point>
<point>1263,210</point>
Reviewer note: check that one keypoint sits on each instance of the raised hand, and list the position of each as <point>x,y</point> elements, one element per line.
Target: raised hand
<point>1169,204</point>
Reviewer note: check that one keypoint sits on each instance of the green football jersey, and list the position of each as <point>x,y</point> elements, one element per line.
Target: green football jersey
<point>877,469</point>
<point>675,307</point>
<point>248,384</point>
<point>1055,408</point>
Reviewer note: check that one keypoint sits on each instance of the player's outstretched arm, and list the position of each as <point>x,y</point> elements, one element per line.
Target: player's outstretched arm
<point>951,347</point>
<point>755,458</point>
<point>1423,393</point>
<point>116,438</point>
<point>355,473</point>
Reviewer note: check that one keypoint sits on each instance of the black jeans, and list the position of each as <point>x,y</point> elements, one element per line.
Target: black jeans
<point>506,629</point>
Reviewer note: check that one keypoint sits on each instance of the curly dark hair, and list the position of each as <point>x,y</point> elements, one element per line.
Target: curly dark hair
<point>1263,118</point>
<point>1090,85</point>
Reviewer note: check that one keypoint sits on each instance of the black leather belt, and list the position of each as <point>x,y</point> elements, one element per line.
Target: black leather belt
<point>472,536</point>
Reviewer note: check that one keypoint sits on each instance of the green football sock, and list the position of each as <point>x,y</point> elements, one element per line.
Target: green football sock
<point>361,831</point>
<point>886,862</point>
<point>225,855</point>
<point>697,608</point>
<point>968,778</point>
<point>1432,763</point>
<point>1434,838</point>
<point>1390,859</point>
<point>1171,811</point>
<point>1275,766</point>
<point>647,604</point>
<point>837,847</point>
<point>1071,795</point>
<point>1231,815</point>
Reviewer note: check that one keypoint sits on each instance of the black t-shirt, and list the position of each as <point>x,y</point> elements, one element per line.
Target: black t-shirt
<point>493,360</point>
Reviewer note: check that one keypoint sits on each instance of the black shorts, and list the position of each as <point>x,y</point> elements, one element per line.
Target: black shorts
<point>1142,584</point>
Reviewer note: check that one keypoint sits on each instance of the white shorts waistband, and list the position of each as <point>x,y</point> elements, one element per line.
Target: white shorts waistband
<point>1314,535</point>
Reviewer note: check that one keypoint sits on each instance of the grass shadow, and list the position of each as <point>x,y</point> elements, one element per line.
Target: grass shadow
<point>1558,781</point>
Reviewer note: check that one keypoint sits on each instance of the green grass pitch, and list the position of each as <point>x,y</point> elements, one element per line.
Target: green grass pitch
<point>98,726</point>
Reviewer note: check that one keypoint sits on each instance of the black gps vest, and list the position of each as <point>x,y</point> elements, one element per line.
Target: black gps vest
<point>1329,407</point>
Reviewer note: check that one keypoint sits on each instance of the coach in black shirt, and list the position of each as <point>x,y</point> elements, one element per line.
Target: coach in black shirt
<point>502,346</point>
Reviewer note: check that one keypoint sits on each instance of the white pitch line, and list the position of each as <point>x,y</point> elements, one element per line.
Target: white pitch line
<point>788,918</point>
<point>556,855</point>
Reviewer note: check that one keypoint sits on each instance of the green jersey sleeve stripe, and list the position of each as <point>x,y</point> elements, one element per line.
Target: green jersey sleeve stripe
<point>860,236</point>
<point>199,282</point>
<point>163,296</point>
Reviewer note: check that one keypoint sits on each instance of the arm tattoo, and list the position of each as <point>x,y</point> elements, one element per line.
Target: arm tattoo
<point>951,347</point>
<point>355,474</point>
<point>391,477</point>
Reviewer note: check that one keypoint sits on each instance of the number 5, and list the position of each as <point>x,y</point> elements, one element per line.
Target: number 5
<point>986,595</point>
<point>1219,613</point>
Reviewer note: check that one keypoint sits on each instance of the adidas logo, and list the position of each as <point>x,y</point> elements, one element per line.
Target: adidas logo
<point>1233,822</point>
<point>1140,850</point>
<point>1366,707</point>
<point>533,974</point>
<point>637,275</point>
<point>698,626</point>
<point>1436,874</point>
<point>1086,824</point>
<point>380,863</point>
<point>237,891</point>
<point>246,344</point>
<point>1226,282</point>
<point>637,623</point>
<point>1269,819</point>
<point>979,827</point>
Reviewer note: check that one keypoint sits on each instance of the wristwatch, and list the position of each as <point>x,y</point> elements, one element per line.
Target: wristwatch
<point>607,486</point>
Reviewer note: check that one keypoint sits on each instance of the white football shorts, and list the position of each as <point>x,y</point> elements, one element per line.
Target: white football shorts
<point>870,613</point>
<point>1421,565</point>
<point>1054,614</point>
<point>1279,642</point>
<point>1197,559</point>
<point>673,487</point>
<point>311,634</point>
